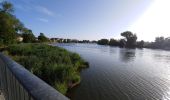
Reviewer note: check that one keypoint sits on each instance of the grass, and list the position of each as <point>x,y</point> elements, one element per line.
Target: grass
<point>54,65</point>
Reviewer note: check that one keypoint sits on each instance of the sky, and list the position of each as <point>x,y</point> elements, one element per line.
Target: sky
<point>154,22</point>
<point>95,19</point>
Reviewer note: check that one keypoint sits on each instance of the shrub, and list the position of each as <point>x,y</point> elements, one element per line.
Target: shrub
<point>55,65</point>
<point>61,87</point>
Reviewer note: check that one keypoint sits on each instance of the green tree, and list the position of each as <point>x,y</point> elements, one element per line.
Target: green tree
<point>140,44</point>
<point>159,42</point>
<point>9,24</point>
<point>130,39</point>
<point>103,42</point>
<point>7,7</point>
<point>122,42</point>
<point>159,39</point>
<point>167,42</point>
<point>113,42</point>
<point>28,36</point>
<point>42,38</point>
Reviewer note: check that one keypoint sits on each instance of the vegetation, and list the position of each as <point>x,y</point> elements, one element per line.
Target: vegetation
<point>140,44</point>
<point>11,27</point>
<point>113,42</point>
<point>54,65</point>
<point>130,39</point>
<point>9,24</point>
<point>103,42</point>
<point>61,40</point>
<point>42,38</point>
<point>160,43</point>
<point>28,36</point>
<point>128,42</point>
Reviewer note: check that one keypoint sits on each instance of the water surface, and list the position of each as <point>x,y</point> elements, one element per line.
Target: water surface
<point>122,74</point>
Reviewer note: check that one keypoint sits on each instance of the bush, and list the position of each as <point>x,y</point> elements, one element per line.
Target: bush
<point>61,87</point>
<point>54,65</point>
<point>76,78</point>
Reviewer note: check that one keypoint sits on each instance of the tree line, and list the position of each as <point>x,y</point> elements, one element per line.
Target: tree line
<point>62,40</point>
<point>159,43</point>
<point>12,28</point>
<point>129,41</point>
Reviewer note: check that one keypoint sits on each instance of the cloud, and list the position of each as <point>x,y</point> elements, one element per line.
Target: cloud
<point>45,10</point>
<point>43,20</point>
<point>31,5</point>
<point>23,8</point>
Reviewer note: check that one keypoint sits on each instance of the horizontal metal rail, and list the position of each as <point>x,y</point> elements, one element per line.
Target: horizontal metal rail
<point>17,83</point>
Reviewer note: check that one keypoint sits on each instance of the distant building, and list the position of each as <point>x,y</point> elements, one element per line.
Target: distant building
<point>19,38</point>
<point>56,40</point>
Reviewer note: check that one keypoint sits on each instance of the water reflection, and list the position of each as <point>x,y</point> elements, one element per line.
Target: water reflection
<point>127,55</point>
<point>113,50</point>
<point>122,74</point>
<point>161,56</point>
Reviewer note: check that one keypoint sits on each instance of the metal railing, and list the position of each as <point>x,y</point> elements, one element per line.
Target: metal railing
<point>17,83</point>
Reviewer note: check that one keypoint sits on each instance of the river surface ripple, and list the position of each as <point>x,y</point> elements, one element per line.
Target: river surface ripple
<point>122,74</point>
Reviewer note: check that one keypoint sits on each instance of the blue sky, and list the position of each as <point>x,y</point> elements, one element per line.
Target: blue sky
<point>80,19</point>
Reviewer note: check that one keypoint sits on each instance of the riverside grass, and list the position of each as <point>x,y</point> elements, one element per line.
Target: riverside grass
<point>56,66</point>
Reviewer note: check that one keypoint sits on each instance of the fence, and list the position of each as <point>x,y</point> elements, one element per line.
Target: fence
<point>17,83</point>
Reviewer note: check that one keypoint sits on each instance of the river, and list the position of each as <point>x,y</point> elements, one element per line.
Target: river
<point>122,74</point>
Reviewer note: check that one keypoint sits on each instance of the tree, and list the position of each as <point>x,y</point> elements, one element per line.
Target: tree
<point>7,7</point>
<point>140,44</point>
<point>130,39</point>
<point>167,42</point>
<point>122,43</point>
<point>28,36</point>
<point>160,43</point>
<point>9,24</point>
<point>65,41</point>
<point>68,40</point>
<point>42,38</point>
<point>159,39</point>
<point>103,42</point>
<point>113,42</point>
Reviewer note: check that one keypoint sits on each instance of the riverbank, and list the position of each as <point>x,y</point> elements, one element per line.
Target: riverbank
<point>56,66</point>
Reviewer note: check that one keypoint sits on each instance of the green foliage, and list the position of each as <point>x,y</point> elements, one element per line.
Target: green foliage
<point>54,65</point>
<point>42,38</point>
<point>122,43</point>
<point>7,23</point>
<point>103,42</point>
<point>160,43</point>
<point>76,79</point>
<point>140,44</point>
<point>7,28</point>
<point>113,42</point>
<point>130,39</point>
<point>10,26</point>
<point>7,7</point>
<point>62,87</point>
<point>28,36</point>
